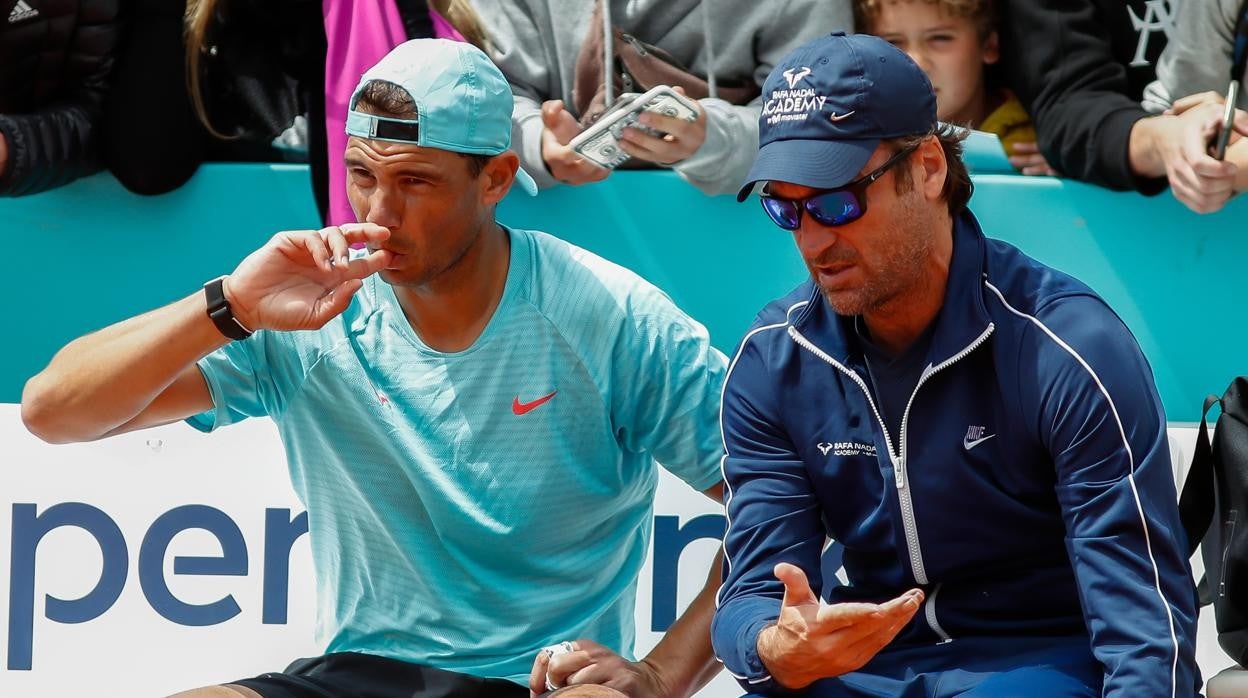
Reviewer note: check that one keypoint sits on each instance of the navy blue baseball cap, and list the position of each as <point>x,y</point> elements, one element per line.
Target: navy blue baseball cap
<point>829,103</point>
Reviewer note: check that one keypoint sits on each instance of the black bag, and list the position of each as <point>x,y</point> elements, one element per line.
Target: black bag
<point>1214,499</point>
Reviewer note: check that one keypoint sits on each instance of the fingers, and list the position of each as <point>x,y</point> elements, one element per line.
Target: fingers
<point>1043,169</point>
<point>1241,122</point>
<point>562,161</point>
<point>594,673</point>
<point>1021,161</point>
<point>559,122</point>
<point>1025,148</point>
<point>1193,143</point>
<point>667,124</point>
<point>1200,181</point>
<point>328,248</point>
<point>1027,159</point>
<point>844,615</point>
<point>566,165</point>
<point>870,617</point>
<point>681,140</point>
<point>368,264</point>
<point>563,666</point>
<point>666,150</point>
<point>796,587</point>
<point>537,675</point>
<point>339,249</point>
<point>865,629</point>
<point>366,233</point>
<point>1185,103</point>
<point>335,301</point>
<point>904,605</point>
<point>310,243</point>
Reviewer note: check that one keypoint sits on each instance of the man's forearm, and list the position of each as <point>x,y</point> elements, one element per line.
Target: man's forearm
<point>103,380</point>
<point>684,659</point>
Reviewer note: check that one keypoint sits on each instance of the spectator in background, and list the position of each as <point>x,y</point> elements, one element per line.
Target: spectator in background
<point>954,42</point>
<point>1080,68</point>
<point>222,79</point>
<point>55,61</point>
<point>546,47</point>
<point>1195,68</point>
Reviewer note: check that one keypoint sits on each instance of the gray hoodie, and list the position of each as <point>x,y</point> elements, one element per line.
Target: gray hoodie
<point>1198,55</point>
<point>536,42</point>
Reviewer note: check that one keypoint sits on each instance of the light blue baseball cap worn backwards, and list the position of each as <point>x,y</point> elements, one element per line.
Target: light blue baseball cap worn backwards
<point>829,103</point>
<point>463,102</point>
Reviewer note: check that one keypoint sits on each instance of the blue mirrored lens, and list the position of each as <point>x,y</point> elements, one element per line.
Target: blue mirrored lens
<point>835,207</point>
<point>783,213</point>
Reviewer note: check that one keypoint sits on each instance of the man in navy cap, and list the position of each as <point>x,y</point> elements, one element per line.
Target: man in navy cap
<point>980,433</point>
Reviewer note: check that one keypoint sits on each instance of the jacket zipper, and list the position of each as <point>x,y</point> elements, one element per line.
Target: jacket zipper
<point>903,491</point>
<point>908,524</point>
<point>929,612</point>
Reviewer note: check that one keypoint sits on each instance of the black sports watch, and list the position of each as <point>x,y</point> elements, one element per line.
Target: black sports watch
<point>220,312</point>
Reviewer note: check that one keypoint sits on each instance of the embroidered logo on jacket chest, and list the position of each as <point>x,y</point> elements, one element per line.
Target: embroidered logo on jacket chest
<point>846,448</point>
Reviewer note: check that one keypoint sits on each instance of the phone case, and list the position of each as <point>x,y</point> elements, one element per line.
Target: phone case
<point>600,143</point>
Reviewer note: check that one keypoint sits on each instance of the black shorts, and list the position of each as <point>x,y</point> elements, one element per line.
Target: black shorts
<point>355,675</point>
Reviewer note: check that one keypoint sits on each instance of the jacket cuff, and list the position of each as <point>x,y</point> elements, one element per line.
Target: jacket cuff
<point>1116,154</point>
<point>526,139</point>
<point>759,679</point>
<point>721,163</point>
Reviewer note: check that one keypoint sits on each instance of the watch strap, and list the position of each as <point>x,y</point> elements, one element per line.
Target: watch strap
<point>221,313</point>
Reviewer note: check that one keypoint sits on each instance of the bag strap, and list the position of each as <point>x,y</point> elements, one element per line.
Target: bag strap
<point>1239,52</point>
<point>1197,501</point>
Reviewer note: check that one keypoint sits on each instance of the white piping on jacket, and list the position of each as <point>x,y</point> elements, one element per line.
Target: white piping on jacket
<point>1130,475</point>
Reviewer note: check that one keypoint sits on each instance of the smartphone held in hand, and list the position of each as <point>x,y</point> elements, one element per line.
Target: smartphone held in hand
<point>600,143</point>
<point>1228,121</point>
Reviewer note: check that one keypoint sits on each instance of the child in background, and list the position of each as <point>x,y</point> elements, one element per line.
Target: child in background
<point>954,41</point>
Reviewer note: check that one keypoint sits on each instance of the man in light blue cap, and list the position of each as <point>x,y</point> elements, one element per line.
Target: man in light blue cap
<point>471,415</point>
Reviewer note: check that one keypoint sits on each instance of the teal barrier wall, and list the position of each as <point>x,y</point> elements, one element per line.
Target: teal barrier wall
<point>91,253</point>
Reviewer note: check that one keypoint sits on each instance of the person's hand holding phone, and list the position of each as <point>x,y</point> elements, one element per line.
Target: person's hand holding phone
<point>565,164</point>
<point>1177,145</point>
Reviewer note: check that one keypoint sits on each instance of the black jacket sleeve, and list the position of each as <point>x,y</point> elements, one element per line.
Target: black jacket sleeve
<point>153,140</point>
<point>56,142</point>
<point>1070,63</point>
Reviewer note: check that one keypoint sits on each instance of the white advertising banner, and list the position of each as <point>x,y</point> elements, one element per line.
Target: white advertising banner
<point>168,559</point>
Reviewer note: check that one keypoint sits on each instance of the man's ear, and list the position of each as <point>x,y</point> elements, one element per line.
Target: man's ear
<point>931,156</point>
<point>498,176</point>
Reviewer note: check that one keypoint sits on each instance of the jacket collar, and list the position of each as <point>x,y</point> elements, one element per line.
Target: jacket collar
<point>962,319</point>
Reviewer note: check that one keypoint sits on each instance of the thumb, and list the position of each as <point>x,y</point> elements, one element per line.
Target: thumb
<point>797,589</point>
<point>559,121</point>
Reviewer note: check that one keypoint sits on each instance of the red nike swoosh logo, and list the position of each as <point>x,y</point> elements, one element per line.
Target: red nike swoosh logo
<point>526,407</point>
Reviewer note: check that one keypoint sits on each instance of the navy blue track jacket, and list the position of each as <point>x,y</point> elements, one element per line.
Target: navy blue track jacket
<point>1029,494</point>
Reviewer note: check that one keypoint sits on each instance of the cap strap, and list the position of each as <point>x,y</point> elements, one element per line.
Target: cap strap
<point>383,128</point>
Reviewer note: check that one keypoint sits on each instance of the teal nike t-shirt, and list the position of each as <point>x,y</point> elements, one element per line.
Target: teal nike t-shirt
<point>467,509</point>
